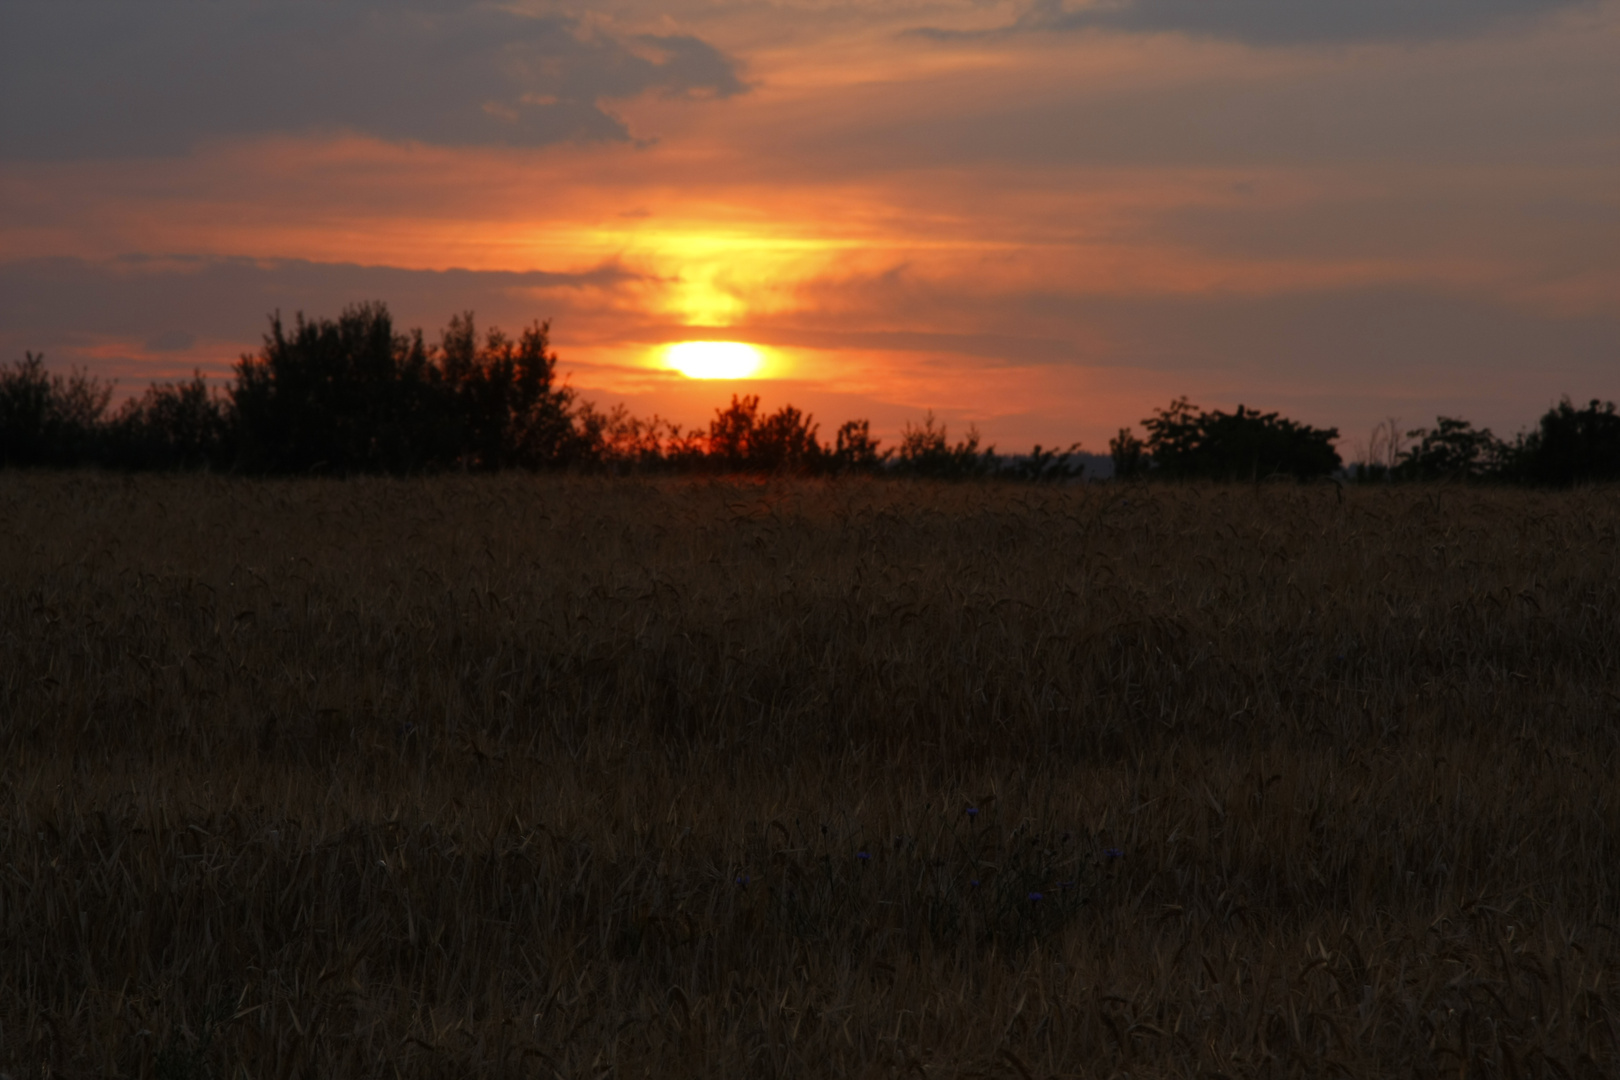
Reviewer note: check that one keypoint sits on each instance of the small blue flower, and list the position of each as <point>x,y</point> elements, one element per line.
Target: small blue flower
<point>863,856</point>
<point>974,884</point>
<point>743,880</point>
<point>973,811</point>
<point>1113,853</point>
<point>1034,897</point>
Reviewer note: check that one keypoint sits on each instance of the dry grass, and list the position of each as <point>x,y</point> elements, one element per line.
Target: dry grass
<point>523,776</point>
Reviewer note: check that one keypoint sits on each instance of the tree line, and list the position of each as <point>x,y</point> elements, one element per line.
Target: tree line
<point>1568,446</point>
<point>354,395</point>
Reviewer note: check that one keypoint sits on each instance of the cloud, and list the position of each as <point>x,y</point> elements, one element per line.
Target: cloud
<point>173,301</point>
<point>105,79</point>
<point>1275,22</point>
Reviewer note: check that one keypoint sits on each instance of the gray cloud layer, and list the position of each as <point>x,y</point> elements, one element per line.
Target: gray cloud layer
<point>96,79</point>
<point>170,302</point>
<point>1279,22</point>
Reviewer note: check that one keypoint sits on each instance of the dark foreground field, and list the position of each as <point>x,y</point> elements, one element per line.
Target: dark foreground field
<point>550,777</point>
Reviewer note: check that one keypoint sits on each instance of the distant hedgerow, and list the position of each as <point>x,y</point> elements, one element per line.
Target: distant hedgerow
<point>355,395</point>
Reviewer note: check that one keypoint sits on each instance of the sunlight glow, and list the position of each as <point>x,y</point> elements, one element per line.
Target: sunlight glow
<point>714,359</point>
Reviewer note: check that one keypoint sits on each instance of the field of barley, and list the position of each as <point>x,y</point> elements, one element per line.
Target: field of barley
<point>569,777</point>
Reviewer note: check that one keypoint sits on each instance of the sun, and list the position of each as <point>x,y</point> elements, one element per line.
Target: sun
<point>714,359</point>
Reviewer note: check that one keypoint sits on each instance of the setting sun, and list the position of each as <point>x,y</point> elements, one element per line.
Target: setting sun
<point>714,359</point>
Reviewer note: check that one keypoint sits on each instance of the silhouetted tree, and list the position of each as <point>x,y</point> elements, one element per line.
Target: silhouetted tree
<point>171,426</point>
<point>785,442</point>
<point>1452,450</point>
<point>1184,441</point>
<point>48,419</point>
<point>742,440</point>
<point>730,430</point>
<point>1573,445</point>
<point>855,450</point>
<point>507,406</point>
<point>351,395</point>
<point>340,395</point>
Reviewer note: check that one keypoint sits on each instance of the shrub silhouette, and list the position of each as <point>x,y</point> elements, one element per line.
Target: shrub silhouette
<point>621,442</point>
<point>1569,446</point>
<point>171,426</point>
<point>1452,450</point>
<point>48,419</point>
<point>740,440</point>
<point>1185,442</point>
<point>350,395</point>
<point>505,405</point>
<point>1574,445</point>
<point>340,395</point>
<point>926,450</point>
<point>786,441</point>
<point>855,450</point>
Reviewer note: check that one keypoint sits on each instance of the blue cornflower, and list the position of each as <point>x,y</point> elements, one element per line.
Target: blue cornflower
<point>863,856</point>
<point>973,811</point>
<point>1034,896</point>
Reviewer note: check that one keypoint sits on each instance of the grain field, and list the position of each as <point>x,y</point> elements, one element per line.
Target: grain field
<point>571,777</point>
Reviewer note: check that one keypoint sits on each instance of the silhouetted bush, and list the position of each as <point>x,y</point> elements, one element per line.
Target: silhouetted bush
<point>49,419</point>
<point>506,408</point>
<point>1185,442</point>
<point>341,395</point>
<point>741,440</point>
<point>926,450</point>
<point>171,426</point>
<point>350,395</point>
<point>621,442</point>
<point>855,450</point>
<point>785,441</point>
<point>1453,450</point>
<point>1572,445</point>
<point>1129,455</point>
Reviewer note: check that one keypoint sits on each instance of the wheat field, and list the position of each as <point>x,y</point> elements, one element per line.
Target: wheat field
<point>573,777</point>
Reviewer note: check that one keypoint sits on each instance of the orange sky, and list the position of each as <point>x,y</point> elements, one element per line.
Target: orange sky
<point>1042,219</point>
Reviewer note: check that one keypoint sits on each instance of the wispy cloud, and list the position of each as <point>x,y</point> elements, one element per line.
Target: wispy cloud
<point>1270,22</point>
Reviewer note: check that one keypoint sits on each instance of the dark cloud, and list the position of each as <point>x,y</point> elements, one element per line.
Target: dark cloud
<point>101,79</point>
<point>1277,22</point>
<point>170,302</point>
<point>1336,114</point>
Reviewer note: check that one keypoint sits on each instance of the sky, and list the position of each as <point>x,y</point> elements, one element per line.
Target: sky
<point>1045,219</point>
